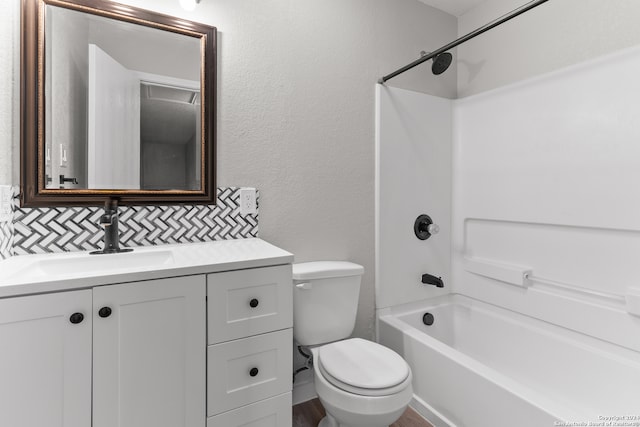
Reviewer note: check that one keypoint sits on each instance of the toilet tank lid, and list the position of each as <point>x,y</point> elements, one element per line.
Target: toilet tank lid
<point>325,270</point>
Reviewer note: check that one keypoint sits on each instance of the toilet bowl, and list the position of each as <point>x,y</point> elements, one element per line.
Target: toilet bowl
<point>373,393</point>
<point>360,383</point>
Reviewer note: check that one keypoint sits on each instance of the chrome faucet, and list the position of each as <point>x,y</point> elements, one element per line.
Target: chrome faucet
<point>429,279</point>
<point>109,220</point>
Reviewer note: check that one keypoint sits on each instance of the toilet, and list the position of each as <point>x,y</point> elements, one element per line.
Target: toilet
<point>360,383</point>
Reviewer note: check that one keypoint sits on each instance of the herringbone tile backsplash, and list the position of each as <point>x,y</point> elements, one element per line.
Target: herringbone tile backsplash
<point>6,239</point>
<point>66,229</point>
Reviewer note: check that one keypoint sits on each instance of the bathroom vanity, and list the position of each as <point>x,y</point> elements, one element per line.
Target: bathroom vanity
<point>177,335</point>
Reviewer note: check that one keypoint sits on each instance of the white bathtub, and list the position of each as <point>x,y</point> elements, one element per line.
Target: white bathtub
<point>479,365</point>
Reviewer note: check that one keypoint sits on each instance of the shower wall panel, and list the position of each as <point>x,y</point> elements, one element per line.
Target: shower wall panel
<point>546,179</point>
<point>413,177</point>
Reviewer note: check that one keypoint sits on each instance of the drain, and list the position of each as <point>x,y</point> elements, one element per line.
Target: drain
<point>428,319</point>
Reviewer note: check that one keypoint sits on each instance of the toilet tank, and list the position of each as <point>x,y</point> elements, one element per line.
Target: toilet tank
<point>325,300</point>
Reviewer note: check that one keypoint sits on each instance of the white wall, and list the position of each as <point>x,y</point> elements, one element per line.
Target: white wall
<point>554,35</point>
<point>296,111</point>
<point>545,177</point>
<point>413,177</point>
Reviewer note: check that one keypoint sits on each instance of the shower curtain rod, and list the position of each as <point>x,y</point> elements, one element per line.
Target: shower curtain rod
<point>487,27</point>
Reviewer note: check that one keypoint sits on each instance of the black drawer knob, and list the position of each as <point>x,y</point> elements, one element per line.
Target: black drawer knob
<point>104,312</point>
<point>254,303</point>
<point>253,372</point>
<point>76,318</point>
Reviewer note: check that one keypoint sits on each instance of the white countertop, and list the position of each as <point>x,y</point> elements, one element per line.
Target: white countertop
<point>31,274</point>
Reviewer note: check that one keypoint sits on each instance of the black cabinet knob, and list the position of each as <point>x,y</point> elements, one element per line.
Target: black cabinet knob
<point>104,312</point>
<point>254,303</point>
<point>253,372</point>
<point>76,318</point>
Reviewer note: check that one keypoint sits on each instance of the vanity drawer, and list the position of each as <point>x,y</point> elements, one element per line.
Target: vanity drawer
<point>272,412</point>
<point>243,371</point>
<point>249,302</point>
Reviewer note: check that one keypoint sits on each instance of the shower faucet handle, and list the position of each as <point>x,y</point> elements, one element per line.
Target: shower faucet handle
<point>424,227</point>
<point>433,229</point>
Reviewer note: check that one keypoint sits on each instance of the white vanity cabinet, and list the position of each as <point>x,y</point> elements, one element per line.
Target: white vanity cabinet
<point>203,339</point>
<point>138,348</point>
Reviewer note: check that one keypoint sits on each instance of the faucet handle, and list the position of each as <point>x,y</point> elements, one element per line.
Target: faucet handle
<point>106,220</point>
<point>433,229</point>
<point>424,227</point>
<point>110,213</point>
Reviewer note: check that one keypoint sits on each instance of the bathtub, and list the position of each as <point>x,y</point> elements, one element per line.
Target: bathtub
<point>479,365</point>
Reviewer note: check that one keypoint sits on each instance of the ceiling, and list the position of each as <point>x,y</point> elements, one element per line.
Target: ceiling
<point>454,7</point>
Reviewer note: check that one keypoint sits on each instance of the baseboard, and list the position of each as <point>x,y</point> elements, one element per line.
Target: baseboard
<point>428,413</point>
<point>304,389</point>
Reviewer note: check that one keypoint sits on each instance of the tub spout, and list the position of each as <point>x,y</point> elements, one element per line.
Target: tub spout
<point>429,279</point>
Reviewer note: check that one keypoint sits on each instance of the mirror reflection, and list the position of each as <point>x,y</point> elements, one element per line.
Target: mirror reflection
<point>122,105</point>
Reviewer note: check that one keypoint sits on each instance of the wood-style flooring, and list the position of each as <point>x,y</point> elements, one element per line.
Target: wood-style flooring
<point>309,414</point>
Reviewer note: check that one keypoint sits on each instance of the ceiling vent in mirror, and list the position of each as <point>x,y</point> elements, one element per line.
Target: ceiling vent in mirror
<point>168,93</point>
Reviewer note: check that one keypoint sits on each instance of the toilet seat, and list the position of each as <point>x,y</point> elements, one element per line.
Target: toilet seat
<point>363,367</point>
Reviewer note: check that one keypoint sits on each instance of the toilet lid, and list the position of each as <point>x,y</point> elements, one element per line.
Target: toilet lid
<point>325,270</point>
<point>363,367</point>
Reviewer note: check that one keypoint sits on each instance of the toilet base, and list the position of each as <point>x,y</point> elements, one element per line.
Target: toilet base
<point>360,421</point>
<point>329,421</point>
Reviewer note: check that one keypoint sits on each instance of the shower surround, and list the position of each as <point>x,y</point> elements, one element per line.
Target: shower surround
<point>545,219</point>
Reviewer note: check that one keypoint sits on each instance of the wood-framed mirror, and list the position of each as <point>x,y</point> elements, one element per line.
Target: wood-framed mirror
<point>117,102</point>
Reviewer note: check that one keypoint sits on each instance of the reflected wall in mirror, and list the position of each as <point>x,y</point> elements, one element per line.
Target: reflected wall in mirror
<point>117,102</point>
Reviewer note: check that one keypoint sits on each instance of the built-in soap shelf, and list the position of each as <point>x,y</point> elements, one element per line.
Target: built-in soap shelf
<point>513,274</point>
<point>522,276</point>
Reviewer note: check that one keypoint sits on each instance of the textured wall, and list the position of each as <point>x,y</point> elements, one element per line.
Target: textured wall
<point>549,37</point>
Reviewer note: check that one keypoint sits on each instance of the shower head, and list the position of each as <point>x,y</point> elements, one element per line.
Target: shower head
<point>441,63</point>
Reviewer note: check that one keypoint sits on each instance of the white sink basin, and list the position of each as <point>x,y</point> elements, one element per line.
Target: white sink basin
<point>79,264</point>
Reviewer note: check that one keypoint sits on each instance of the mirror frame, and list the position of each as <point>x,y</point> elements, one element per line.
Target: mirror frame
<point>33,192</point>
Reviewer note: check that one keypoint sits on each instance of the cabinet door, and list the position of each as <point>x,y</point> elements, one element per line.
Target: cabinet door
<point>45,360</point>
<point>149,350</point>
